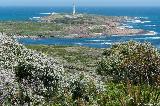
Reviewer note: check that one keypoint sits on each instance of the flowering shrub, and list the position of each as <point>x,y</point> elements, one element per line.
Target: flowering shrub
<point>28,71</point>
<point>133,61</point>
<point>32,78</point>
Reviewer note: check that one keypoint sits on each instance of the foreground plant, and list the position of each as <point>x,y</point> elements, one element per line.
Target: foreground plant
<point>31,78</point>
<point>134,61</point>
<point>129,95</point>
<point>134,69</point>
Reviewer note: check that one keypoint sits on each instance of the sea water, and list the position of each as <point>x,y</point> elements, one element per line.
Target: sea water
<point>147,18</point>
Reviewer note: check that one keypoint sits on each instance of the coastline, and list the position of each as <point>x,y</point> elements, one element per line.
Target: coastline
<point>69,26</point>
<point>93,25</point>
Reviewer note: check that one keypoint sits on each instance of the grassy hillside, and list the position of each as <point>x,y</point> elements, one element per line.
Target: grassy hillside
<point>72,57</point>
<point>30,28</point>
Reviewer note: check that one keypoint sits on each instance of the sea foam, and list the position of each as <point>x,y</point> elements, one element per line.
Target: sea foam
<point>106,43</point>
<point>151,33</point>
<point>98,40</point>
<point>138,21</point>
<point>36,17</point>
<point>150,25</point>
<point>147,38</point>
<point>48,13</point>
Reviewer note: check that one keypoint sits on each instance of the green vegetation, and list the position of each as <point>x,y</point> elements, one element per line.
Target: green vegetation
<point>64,25</point>
<point>126,74</point>
<point>72,57</point>
<point>37,78</point>
<point>132,61</point>
<point>97,29</point>
<point>122,88</point>
<point>136,67</point>
<point>119,94</point>
<point>31,78</point>
<point>56,26</point>
<point>30,28</point>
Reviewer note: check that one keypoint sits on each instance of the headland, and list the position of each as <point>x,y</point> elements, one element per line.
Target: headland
<point>86,25</point>
<point>71,26</point>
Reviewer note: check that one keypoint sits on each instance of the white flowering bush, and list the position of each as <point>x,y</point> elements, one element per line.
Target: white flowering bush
<point>35,74</point>
<point>83,88</point>
<point>29,77</point>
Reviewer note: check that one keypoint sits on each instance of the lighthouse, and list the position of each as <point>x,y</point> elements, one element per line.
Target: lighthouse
<point>74,7</point>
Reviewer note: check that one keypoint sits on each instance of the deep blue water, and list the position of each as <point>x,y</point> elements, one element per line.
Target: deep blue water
<point>147,18</point>
<point>24,13</point>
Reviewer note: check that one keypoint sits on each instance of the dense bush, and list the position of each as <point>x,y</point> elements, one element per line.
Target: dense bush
<point>28,74</point>
<point>31,78</point>
<point>131,61</point>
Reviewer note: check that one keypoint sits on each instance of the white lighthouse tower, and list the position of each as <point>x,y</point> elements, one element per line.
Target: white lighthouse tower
<point>74,7</point>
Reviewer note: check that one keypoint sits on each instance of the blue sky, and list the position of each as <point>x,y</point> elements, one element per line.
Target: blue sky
<point>80,2</point>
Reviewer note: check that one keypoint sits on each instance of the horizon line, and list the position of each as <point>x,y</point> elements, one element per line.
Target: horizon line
<point>72,6</point>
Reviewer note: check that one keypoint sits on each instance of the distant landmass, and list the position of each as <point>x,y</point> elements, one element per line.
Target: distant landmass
<point>86,25</point>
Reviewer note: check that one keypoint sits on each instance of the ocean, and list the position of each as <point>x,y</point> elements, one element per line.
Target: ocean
<point>147,18</point>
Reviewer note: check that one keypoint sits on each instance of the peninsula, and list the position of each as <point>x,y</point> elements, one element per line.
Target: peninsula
<point>70,26</point>
<point>85,25</point>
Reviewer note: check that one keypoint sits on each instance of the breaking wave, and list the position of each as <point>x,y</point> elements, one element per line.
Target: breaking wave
<point>51,13</point>
<point>148,38</point>
<point>151,25</point>
<point>151,33</point>
<point>138,21</point>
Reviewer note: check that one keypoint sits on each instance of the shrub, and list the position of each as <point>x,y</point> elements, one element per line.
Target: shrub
<point>129,95</point>
<point>134,61</point>
<point>28,74</point>
<point>28,77</point>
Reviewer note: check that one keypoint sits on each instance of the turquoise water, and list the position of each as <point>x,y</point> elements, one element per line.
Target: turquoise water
<point>147,18</point>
